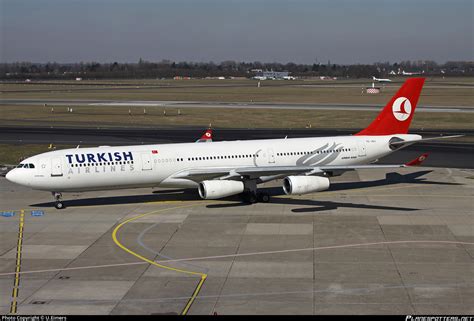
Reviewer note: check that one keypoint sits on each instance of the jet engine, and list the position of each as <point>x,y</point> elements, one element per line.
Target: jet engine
<point>297,185</point>
<point>211,190</point>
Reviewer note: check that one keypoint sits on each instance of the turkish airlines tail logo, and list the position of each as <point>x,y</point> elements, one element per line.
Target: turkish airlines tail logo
<point>401,108</point>
<point>396,116</point>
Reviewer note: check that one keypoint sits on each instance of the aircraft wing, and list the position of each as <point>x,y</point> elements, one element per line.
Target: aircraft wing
<point>238,173</point>
<point>241,173</point>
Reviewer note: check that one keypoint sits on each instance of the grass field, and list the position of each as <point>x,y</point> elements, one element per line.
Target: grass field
<point>118,116</point>
<point>13,154</point>
<point>447,92</point>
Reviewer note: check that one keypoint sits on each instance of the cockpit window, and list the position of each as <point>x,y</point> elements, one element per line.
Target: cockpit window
<point>25,166</point>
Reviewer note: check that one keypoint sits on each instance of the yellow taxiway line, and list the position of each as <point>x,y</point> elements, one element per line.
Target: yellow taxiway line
<point>203,276</point>
<point>16,282</point>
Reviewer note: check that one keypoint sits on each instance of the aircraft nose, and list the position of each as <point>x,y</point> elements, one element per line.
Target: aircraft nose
<point>14,176</point>
<point>11,176</point>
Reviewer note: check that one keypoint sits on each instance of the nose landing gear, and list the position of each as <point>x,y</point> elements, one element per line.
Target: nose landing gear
<point>58,197</point>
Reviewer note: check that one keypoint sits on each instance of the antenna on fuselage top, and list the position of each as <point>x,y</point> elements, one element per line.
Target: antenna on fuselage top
<point>77,146</point>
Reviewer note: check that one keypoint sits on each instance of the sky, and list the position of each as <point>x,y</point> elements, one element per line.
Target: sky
<point>301,31</point>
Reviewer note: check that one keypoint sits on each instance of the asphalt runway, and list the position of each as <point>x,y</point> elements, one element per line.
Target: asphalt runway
<point>240,105</point>
<point>118,87</point>
<point>442,154</point>
<point>101,86</point>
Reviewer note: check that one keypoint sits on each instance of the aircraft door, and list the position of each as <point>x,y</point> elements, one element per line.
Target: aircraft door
<point>146,161</point>
<point>271,156</point>
<point>56,167</point>
<point>361,149</point>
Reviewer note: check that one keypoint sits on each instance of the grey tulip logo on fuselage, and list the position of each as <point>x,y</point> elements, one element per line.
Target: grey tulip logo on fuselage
<point>320,156</point>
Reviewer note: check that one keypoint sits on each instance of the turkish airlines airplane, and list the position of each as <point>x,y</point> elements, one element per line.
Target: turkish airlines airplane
<point>225,168</point>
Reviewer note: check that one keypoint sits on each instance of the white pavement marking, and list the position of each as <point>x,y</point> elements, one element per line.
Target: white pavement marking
<point>243,255</point>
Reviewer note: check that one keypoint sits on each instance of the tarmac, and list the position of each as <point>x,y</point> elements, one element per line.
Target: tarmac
<point>377,242</point>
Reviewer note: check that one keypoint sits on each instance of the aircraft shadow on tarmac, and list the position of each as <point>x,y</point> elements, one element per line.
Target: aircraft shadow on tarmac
<point>157,196</point>
<point>192,195</point>
<point>392,178</point>
<point>317,206</point>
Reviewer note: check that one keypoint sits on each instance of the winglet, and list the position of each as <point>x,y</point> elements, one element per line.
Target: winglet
<point>417,161</point>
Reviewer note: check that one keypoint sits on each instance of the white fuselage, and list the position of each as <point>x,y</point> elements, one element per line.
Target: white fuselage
<point>102,168</point>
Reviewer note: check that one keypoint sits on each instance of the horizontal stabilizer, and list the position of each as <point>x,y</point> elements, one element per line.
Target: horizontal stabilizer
<point>409,142</point>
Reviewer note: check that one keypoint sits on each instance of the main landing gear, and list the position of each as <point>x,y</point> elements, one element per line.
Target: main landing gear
<point>250,194</point>
<point>58,204</point>
<point>252,197</point>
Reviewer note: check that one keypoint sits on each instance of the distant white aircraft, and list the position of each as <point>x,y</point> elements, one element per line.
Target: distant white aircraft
<point>381,79</point>
<point>405,73</point>
<point>225,168</point>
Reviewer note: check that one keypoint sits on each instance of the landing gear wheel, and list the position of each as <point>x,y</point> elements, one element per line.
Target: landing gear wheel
<point>250,198</point>
<point>59,205</point>
<point>264,197</point>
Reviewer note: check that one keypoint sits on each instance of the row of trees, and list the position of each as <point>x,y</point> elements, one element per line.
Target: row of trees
<point>169,69</point>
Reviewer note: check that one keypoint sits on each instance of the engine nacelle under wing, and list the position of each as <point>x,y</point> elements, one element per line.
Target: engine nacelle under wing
<point>297,185</point>
<point>211,190</point>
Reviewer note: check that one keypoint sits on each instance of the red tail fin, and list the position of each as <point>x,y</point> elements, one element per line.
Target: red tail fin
<point>206,137</point>
<point>396,117</point>
<point>417,161</point>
